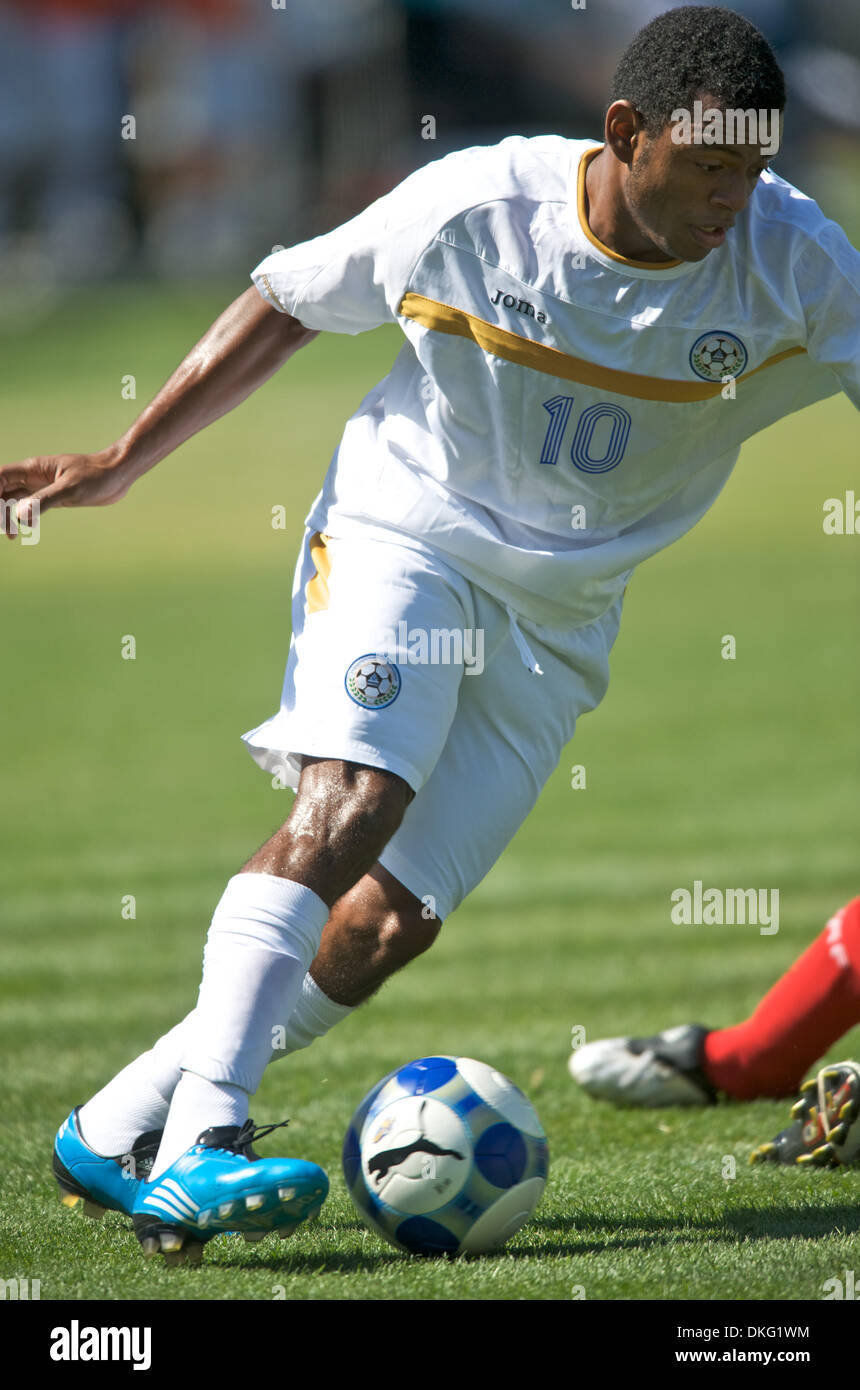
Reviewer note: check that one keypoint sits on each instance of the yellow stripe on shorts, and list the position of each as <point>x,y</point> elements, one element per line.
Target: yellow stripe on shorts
<point>316,589</point>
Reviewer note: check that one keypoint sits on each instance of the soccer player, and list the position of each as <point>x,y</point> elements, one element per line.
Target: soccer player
<point>590,333</point>
<point>801,1016</point>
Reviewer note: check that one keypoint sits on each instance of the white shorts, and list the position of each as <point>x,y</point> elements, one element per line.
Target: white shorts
<point>398,662</point>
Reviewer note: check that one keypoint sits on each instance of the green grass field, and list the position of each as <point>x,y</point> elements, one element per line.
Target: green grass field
<point>128,777</point>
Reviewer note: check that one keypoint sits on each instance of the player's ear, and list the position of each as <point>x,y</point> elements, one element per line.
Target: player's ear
<point>623,127</point>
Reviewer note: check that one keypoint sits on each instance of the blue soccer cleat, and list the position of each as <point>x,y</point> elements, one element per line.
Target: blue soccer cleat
<point>102,1183</point>
<point>220,1185</point>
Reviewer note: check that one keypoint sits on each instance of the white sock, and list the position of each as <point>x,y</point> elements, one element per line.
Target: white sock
<point>197,1105</point>
<point>264,934</point>
<point>313,1016</point>
<point>137,1099</point>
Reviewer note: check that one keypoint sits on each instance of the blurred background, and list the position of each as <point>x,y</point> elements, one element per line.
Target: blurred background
<point>180,139</point>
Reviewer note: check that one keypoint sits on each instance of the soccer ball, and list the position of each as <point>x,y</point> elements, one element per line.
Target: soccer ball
<point>445,1155</point>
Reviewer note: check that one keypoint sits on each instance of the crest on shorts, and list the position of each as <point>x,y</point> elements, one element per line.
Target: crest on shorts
<point>372,682</point>
<point>718,354</point>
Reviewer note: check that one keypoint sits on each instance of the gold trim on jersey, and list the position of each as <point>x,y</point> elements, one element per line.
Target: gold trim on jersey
<point>316,589</point>
<point>541,358</point>
<point>269,286</point>
<point>595,241</point>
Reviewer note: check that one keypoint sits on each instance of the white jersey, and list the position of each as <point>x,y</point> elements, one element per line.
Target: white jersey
<point>559,412</point>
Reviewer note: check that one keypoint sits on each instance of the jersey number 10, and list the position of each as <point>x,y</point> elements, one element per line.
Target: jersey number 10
<point>559,409</point>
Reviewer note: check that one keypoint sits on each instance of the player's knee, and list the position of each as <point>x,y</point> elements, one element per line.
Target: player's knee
<point>349,802</point>
<point>343,817</point>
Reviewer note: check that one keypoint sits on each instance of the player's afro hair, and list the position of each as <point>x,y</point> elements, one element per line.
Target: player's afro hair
<point>693,52</point>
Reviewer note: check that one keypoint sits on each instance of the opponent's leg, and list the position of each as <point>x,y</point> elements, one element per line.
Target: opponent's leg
<point>800,1017</point>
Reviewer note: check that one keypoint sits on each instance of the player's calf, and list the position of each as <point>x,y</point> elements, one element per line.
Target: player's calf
<point>373,931</point>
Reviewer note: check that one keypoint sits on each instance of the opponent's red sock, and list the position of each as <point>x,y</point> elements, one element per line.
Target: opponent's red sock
<point>813,1004</point>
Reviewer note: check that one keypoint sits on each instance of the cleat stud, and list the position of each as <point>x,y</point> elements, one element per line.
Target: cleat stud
<point>194,1253</point>
<point>798,1109</point>
<point>254,1202</point>
<point>174,1258</point>
<point>251,1237</point>
<point>69,1199</point>
<point>286,1194</point>
<point>762,1152</point>
<point>93,1210</point>
<point>171,1242</point>
<point>226,1209</point>
<point>849,1110</point>
<point>203,1218</point>
<point>284,1232</point>
<point>837,1134</point>
<point>149,1246</point>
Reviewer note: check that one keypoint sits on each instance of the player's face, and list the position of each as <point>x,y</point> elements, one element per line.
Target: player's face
<point>685,198</point>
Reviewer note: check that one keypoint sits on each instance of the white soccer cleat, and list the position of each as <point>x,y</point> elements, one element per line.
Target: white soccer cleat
<point>665,1069</point>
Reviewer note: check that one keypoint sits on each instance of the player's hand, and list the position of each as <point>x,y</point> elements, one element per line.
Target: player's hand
<point>63,480</point>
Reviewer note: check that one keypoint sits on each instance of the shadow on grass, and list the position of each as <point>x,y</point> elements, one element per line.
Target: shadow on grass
<point>638,1232</point>
<point>623,1233</point>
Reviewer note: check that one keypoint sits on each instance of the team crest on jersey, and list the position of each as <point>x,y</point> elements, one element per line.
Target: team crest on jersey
<point>372,682</point>
<point>717,355</point>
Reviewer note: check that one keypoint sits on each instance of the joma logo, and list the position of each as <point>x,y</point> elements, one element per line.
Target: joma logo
<point>522,306</point>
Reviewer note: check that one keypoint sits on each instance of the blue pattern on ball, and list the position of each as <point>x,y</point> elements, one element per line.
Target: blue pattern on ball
<point>426,1075</point>
<point>500,1155</point>
<point>466,1104</point>
<point>351,1156</point>
<point>425,1237</point>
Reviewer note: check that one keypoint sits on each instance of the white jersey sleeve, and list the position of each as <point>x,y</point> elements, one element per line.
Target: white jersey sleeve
<point>353,278</point>
<point>828,283</point>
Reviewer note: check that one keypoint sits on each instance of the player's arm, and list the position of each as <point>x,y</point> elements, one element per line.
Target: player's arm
<point>827,277</point>
<point>242,349</point>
